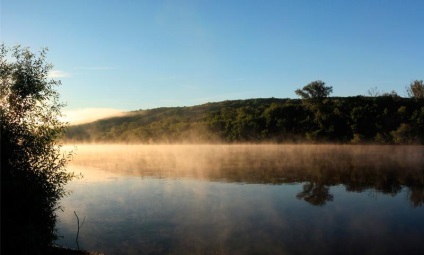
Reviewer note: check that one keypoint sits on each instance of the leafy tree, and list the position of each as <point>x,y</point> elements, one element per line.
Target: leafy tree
<point>363,122</point>
<point>331,123</point>
<point>246,124</point>
<point>418,120</point>
<point>32,167</point>
<point>416,89</point>
<point>392,93</point>
<point>315,89</point>
<point>404,134</point>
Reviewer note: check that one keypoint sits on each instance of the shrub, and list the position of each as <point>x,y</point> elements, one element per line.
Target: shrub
<point>33,171</point>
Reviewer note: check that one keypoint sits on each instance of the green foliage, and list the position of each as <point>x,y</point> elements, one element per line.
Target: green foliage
<point>315,89</point>
<point>32,169</point>
<point>337,120</point>
<point>403,134</point>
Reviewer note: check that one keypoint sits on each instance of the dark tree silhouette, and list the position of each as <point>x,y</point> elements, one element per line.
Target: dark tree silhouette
<point>315,89</point>
<point>32,167</point>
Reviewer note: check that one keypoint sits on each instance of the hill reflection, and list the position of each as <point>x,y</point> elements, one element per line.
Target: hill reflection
<point>382,169</point>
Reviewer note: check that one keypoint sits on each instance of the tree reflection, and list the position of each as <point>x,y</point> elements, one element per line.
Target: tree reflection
<point>384,169</point>
<point>315,194</point>
<point>416,196</point>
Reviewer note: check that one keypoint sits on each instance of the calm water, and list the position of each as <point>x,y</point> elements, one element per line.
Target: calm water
<point>246,199</point>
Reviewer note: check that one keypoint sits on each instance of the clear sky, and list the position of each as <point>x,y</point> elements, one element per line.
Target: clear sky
<point>131,55</point>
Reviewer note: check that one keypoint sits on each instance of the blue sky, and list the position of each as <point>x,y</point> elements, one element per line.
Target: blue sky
<point>133,55</point>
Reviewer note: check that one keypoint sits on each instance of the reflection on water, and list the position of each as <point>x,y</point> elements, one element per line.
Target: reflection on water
<point>234,199</point>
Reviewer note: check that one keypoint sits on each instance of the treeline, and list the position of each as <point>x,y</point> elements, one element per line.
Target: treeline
<point>386,119</point>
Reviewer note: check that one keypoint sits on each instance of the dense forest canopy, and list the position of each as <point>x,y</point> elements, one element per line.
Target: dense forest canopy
<point>384,119</point>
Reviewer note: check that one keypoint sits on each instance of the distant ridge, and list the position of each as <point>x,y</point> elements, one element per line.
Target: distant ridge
<point>382,120</point>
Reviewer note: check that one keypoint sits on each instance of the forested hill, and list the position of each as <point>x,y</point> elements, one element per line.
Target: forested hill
<point>384,120</point>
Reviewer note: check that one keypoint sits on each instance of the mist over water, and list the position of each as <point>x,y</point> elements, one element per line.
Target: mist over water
<point>249,161</point>
<point>246,199</point>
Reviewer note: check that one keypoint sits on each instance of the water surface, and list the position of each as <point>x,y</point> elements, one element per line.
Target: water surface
<point>246,199</point>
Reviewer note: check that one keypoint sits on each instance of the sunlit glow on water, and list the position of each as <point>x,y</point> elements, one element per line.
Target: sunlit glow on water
<point>246,199</point>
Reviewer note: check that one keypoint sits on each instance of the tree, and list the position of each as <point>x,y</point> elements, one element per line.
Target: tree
<point>404,134</point>
<point>315,89</point>
<point>392,94</point>
<point>33,171</point>
<point>415,89</point>
<point>374,92</point>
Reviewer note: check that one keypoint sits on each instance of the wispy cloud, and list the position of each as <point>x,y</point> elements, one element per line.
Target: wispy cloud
<point>87,115</point>
<point>58,74</point>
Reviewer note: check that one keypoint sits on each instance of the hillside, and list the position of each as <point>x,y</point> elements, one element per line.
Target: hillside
<point>383,120</point>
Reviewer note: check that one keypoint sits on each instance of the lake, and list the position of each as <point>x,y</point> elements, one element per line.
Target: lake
<point>246,199</point>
